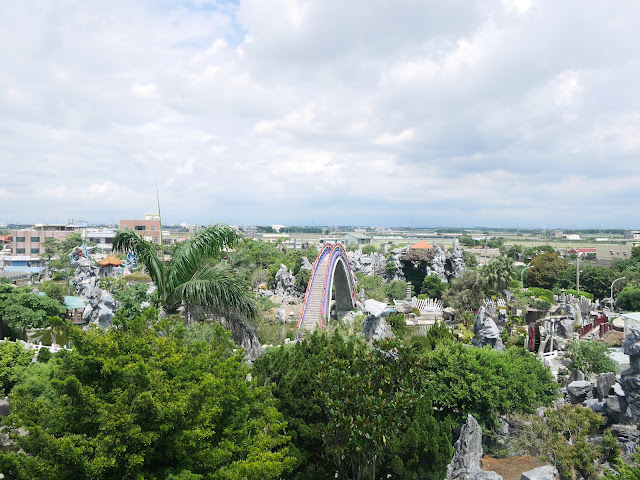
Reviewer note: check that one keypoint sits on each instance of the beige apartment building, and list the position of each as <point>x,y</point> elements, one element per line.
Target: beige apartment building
<point>30,241</point>
<point>149,228</point>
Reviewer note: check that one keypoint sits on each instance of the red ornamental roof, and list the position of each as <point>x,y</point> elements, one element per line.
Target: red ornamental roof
<point>582,250</point>
<point>421,245</point>
<point>111,260</point>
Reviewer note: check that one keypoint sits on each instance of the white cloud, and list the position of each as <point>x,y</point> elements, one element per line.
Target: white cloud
<point>460,112</point>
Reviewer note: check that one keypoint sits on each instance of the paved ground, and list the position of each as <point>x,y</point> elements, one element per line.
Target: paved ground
<point>511,468</point>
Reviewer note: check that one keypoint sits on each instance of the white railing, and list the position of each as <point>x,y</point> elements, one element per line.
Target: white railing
<point>427,304</point>
<point>37,346</point>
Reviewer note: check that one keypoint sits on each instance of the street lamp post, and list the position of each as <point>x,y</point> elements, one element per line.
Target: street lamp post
<point>578,274</point>
<point>621,278</point>
<point>522,275</point>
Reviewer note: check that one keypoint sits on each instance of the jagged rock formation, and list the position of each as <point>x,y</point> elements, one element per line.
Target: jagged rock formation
<point>102,305</point>
<point>285,284</point>
<point>546,472</point>
<point>486,332</point>
<point>466,463</point>
<point>438,264</point>
<point>457,260</point>
<point>372,264</point>
<point>630,378</point>
<point>306,264</point>
<point>375,326</point>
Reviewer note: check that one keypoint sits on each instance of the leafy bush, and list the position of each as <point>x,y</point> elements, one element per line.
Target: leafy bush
<point>140,405</point>
<point>12,355</point>
<point>369,249</point>
<point>561,437</point>
<point>629,299</point>
<point>397,323</point>
<point>433,287</point>
<point>583,293</point>
<point>396,289</point>
<point>541,293</point>
<point>44,355</point>
<point>487,383</point>
<point>590,357</point>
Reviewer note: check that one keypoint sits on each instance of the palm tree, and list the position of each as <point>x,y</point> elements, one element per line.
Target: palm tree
<point>194,276</point>
<point>499,272</point>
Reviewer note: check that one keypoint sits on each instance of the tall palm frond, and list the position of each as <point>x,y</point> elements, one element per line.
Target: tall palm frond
<point>128,241</point>
<point>216,287</point>
<point>204,245</point>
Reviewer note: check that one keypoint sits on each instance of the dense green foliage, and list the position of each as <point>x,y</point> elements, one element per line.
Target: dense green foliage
<point>629,299</point>
<point>487,383</point>
<point>21,309</point>
<point>342,397</point>
<point>370,400</point>
<point>12,355</point>
<point>397,323</point>
<point>433,287</point>
<point>132,404</point>
<point>545,269</point>
<point>465,292</point>
<point>561,437</point>
<point>499,273</point>
<point>438,334</point>
<point>590,357</point>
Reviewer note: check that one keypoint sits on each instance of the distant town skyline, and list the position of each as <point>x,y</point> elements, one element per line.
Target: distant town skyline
<point>511,113</point>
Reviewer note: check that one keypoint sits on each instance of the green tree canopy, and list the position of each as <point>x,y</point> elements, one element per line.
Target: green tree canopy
<point>545,270</point>
<point>133,404</point>
<point>20,309</point>
<point>433,287</point>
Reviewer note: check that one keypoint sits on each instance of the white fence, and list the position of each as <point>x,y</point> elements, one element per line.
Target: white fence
<point>426,305</point>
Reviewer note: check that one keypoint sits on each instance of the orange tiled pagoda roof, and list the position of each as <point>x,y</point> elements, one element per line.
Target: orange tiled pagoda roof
<point>111,260</point>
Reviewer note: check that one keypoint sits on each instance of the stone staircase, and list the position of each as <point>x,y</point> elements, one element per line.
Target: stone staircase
<point>313,307</point>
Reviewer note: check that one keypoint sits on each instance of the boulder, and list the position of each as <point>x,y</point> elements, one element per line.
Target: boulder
<point>281,315</point>
<point>468,456</point>
<point>306,264</point>
<point>546,472</point>
<point>482,475</point>
<point>457,259</point>
<point>595,405</point>
<point>376,328</point>
<point>576,376</point>
<point>285,284</point>
<point>565,328</point>
<point>604,384</point>
<point>486,332</point>
<point>375,308</point>
<point>628,438</point>
<point>579,391</point>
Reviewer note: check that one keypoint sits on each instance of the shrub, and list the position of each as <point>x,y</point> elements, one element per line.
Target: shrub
<point>590,357</point>
<point>542,293</point>
<point>629,299</point>
<point>397,323</point>
<point>44,355</point>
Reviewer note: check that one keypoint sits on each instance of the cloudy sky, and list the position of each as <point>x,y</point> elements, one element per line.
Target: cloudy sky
<point>327,112</point>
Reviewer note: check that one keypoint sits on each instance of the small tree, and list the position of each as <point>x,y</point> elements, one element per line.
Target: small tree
<point>433,287</point>
<point>590,357</point>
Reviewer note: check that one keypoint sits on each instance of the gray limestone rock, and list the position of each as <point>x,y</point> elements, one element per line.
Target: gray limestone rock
<point>306,264</point>
<point>438,264</point>
<point>604,384</point>
<point>468,456</point>
<point>595,405</point>
<point>546,472</point>
<point>375,308</point>
<point>579,391</point>
<point>615,406</point>
<point>628,438</point>
<point>285,283</point>
<point>630,378</point>
<point>576,376</point>
<point>482,475</point>
<point>565,328</point>
<point>101,304</point>
<point>486,332</point>
<point>281,315</point>
<point>368,264</point>
<point>376,328</point>
<point>4,407</point>
<point>457,259</point>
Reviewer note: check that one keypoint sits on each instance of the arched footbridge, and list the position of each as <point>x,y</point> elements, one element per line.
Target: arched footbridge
<point>331,274</point>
